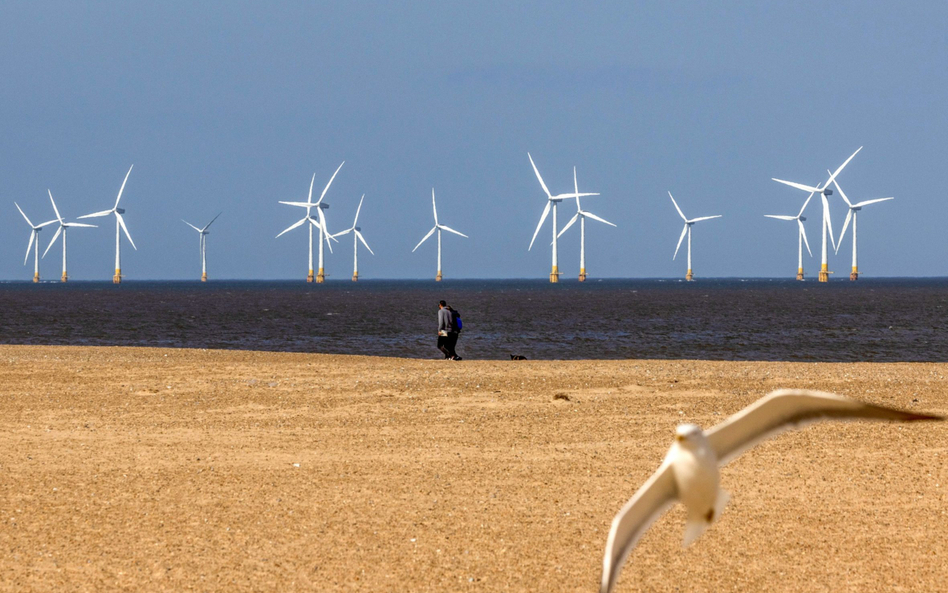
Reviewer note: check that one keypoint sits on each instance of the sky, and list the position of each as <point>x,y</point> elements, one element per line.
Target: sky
<point>232,106</point>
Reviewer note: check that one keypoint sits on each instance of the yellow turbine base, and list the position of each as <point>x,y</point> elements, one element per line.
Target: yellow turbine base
<point>355,276</point>
<point>824,273</point>
<point>204,277</point>
<point>320,276</point>
<point>555,274</point>
<point>689,277</point>
<point>117,278</point>
<point>438,276</point>
<point>582,274</point>
<point>854,275</point>
<point>799,273</point>
<point>36,277</point>
<point>310,277</point>
<point>64,278</point>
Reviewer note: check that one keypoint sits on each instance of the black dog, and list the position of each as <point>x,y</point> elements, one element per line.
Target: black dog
<point>517,357</point>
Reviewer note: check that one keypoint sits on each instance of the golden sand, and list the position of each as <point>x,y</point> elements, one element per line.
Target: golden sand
<point>177,470</point>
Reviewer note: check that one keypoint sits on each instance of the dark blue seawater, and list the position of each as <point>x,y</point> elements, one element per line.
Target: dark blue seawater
<point>868,320</point>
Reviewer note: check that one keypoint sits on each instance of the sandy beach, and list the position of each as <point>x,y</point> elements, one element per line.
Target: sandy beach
<point>177,470</point>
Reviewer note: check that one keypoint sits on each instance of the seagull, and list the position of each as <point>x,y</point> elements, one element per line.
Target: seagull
<point>689,473</point>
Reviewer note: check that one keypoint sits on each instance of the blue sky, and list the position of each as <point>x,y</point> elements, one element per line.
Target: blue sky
<point>233,106</point>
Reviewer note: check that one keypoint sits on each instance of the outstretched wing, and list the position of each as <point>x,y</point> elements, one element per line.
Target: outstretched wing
<point>786,409</point>
<point>648,504</point>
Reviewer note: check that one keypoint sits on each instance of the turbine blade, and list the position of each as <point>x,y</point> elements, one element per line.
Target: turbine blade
<point>705,218</point>
<point>55,209</point>
<point>594,217</point>
<point>208,225</point>
<point>359,209</point>
<point>24,215</point>
<point>546,212</point>
<point>684,232</point>
<point>30,245</point>
<point>837,172</point>
<point>842,233</point>
<point>311,182</point>
<point>434,208</point>
<point>450,230</point>
<point>121,189</point>
<point>781,217</point>
<point>81,224</point>
<point>431,232</point>
<point>361,238</point>
<point>55,236</point>
<point>535,170</point>
<point>322,195</point>
<point>875,201</point>
<point>803,232</point>
<point>95,214</point>
<point>190,225</point>
<point>299,204</point>
<point>680,213</point>
<point>829,220</point>
<point>568,224</point>
<point>840,190</point>
<point>345,232</point>
<point>798,185</point>
<point>808,198</point>
<point>121,220</point>
<point>294,225</point>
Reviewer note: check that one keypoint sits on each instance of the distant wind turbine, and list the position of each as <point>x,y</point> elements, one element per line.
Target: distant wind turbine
<point>851,215</point>
<point>827,222</point>
<point>204,232</point>
<point>581,215</point>
<point>357,236</point>
<point>437,227</point>
<point>34,242</point>
<point>63,227</point>
<point>319,222</point>
<point>119,222</point>
<point>801,235</point>
<point>687,231</point>
<point>552,202</point>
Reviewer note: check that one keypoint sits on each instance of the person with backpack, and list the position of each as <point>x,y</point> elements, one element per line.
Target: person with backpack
<point>448,330</point>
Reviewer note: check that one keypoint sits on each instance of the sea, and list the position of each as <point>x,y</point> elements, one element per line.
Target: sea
<point>873,320</point>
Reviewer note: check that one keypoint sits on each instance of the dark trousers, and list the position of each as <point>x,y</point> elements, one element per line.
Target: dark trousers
<point>447,343</point>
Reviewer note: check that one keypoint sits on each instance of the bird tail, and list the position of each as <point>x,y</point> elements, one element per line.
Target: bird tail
<point>697,523</point>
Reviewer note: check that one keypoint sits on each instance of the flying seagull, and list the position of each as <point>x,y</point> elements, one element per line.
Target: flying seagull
<point>689,473</point>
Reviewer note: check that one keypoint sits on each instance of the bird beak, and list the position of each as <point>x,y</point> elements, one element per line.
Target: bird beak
<point>680,438</point>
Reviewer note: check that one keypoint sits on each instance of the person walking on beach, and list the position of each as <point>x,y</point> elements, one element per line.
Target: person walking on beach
<point>447,331</point>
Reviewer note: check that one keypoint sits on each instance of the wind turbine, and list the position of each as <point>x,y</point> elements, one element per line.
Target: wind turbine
<point>552,202</point>
<point>801,235</point>
<point>357,236</point>
<point>319,222</point>
<point>119,222</point>
<point>581,215</point>
<point>204,232</point>
<point>34,242</point>
<point>63,227</point>
<point>827,222</point>
<point>687,231</point>
<point>437,227</point>
<point>851,215</point>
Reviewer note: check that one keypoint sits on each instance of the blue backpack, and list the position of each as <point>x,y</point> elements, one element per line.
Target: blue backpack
<point>457,321</point>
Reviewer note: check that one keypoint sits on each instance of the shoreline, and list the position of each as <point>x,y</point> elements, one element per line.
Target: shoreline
<point>172,469</point>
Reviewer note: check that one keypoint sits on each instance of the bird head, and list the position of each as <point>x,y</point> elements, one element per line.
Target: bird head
<point>688,433</point>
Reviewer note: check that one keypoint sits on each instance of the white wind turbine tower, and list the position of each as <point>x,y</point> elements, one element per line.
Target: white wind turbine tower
<point>581,215</point>
<point>204,232</point>
<point>319,222</point>
<point>437,227</point>
<point>34,242</point>
<point>687,231</point>
<point>63,227</point>
<point>119,222</point>
<point>827,222</point>
<point>551,202</point>
<point>851,215</point>
<point>801,235</point>
<point>357,236</point>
